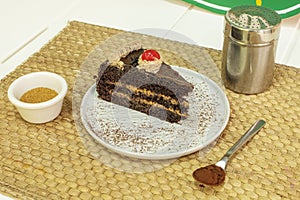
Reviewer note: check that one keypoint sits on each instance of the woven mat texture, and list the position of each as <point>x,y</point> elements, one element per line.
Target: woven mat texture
<point>51,161</point>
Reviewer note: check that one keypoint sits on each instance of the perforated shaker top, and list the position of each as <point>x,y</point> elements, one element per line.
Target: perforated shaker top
<point>253,17</point>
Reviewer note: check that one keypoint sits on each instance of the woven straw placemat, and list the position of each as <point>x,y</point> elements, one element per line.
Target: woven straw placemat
<point>51,161</point>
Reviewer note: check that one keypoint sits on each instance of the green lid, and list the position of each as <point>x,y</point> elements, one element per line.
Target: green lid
<point>285,8</point>
<point>253,17</point>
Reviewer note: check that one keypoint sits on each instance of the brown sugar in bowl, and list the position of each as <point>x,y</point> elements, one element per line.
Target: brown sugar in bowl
<point>43,111</point>
<point>38,95</point>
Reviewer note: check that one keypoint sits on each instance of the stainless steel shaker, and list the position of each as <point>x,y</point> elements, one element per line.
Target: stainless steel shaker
<point>250,39</point>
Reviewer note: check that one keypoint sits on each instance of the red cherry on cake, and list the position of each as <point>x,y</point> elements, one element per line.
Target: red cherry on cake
<point>150,55</point>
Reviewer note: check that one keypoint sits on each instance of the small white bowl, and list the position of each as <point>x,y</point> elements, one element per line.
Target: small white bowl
<point>38,112</point>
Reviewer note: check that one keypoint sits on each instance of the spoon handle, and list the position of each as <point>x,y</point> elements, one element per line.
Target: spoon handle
<point>255,128</point>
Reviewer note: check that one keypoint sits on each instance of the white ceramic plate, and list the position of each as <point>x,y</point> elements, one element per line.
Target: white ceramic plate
<point>134,134</point>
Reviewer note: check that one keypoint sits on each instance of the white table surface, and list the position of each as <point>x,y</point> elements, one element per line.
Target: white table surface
<point>28,25</point>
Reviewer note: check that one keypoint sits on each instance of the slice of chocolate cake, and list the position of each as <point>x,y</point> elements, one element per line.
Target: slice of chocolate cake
<point>139,80</point>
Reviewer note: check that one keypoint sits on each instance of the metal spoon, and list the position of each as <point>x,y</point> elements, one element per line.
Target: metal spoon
<point>215,174</point>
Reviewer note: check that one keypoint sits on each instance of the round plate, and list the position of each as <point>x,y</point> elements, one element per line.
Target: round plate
<point>134,134</point>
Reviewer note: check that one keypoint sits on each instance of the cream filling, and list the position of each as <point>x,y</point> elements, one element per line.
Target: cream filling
<point>151,103</point>
<point>149,66</point>
<point>118,63</point>
<point>148,93</point>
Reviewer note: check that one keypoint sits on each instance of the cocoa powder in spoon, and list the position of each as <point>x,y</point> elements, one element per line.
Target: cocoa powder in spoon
<point>210,175</point>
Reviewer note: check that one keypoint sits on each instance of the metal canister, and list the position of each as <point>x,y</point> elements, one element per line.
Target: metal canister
<point>250,40</point>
